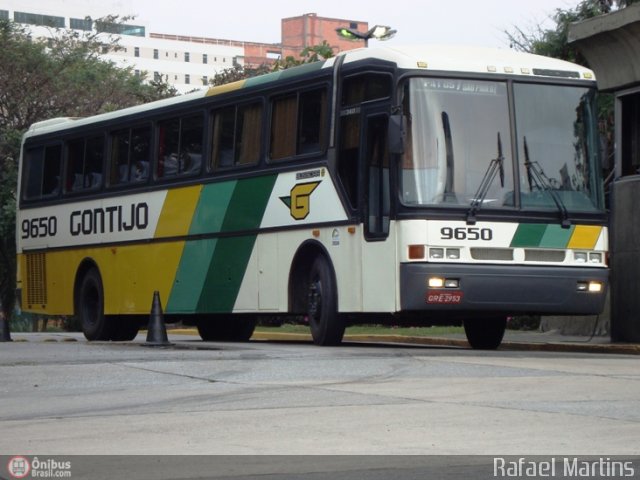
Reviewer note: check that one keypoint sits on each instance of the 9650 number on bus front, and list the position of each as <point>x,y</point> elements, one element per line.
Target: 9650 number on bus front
<point>466,233</point>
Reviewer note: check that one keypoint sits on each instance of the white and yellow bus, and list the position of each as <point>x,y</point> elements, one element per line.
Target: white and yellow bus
<point>417,185</point>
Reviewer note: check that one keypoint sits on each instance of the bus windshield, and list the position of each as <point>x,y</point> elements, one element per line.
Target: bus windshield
<point>458,129</point>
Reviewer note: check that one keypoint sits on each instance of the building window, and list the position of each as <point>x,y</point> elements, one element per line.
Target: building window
<point>36,19</point>
<point>120,29</point>
<point>4,14</point>
<point>136,52</point>
<point>156,77</point>
<point>187,79</point>
<point>205,58</point>
<point>186,56</point>
<point>156,54</point>
<point>353,25</point>
<point>81,24</point>
<point>205,80</point>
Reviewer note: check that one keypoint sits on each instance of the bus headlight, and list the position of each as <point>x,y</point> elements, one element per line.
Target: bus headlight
<point>592,286</point>
<point>436,253</point>
<point>595,258</point>
<point>580,257</point>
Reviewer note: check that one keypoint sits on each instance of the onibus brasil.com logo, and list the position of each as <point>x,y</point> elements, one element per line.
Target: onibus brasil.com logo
<point>22,467</point>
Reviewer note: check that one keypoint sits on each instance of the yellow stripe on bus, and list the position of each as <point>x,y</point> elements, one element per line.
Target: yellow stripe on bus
<point>229,87</point>
<point>177,211</point>
<point>130,274</point>
<point>585,237</point>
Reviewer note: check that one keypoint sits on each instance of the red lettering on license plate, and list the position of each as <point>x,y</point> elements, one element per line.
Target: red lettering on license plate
<point>444,297</point>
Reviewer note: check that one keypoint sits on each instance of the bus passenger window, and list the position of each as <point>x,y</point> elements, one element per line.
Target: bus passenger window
<point>237,136</point>
<point>84,164</point>
<point>283,131</point>
<point>298,124</point>
<point>180,146</point>
<point>130,150</point>
<point>349,156</point>
<point>365,88</point>
<point>311,121</point>
<point>42,166</point>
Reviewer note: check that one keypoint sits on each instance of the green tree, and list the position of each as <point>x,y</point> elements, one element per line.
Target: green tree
<point>308,55</point>
<point>553,42</point>
<point>62,76</point>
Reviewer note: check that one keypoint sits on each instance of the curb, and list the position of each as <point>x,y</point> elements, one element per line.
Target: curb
<point>570,347</point>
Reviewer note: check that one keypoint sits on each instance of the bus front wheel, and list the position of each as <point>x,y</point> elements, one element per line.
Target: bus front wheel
<point>327,326</point>
<point>90,307</point>
<point>485,333</point>
<point>227,328</point>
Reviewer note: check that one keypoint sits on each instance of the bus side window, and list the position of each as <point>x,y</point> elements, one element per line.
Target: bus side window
<point>42,166</point>
<point>130,152</point>
<point>349,155</point>
<point>237,136</point>
<point>85,158</point>
<point>180,146</point>
<point>298,124</point>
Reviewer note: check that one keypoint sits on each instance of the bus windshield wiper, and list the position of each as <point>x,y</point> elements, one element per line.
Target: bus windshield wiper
<point>537,175</point>
<point>495,165</point>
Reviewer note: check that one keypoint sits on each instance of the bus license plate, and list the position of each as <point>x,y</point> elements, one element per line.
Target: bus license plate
<point>443,297</point>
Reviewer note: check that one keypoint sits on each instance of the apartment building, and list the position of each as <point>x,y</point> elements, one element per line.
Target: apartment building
<point>186,62</point>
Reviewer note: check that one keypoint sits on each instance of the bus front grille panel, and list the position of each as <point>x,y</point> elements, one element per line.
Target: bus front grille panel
<point>534,255</point>
<point>36,279</point>
<point>481,253</point>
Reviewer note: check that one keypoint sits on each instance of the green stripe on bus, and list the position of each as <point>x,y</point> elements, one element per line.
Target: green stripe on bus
<point>528,235</point>
<point>556,237</point>
<point>191,276</point>
<point>226,271</point>
<point>542,236</point>
<point>248,203</point>
<point>212,208</point>
<point>211,270</point>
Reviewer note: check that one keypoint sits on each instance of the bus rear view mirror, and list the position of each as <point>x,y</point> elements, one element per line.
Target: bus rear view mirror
<point>397,133</point>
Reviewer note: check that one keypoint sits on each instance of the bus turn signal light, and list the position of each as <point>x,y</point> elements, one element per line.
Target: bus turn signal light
<point>416,252</point>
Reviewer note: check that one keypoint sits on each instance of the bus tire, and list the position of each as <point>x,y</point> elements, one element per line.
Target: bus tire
<point>327,325</point>
<point>90,307</point>
<point>485,333</point>
<point>229,328</point>
<point>126,328</point>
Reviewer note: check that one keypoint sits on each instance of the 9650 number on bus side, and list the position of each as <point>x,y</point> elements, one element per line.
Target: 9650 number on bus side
<point>466,233</point>
<point>39,227</point>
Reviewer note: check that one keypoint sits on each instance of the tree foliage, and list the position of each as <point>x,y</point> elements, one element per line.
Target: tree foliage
<point>308,55</point>
<point>553,42</point>
<point>62,76</point>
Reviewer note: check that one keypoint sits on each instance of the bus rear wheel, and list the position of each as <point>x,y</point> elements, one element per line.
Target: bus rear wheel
<point>90,307</point>
<point>327,326</point>
<point>485,333</point>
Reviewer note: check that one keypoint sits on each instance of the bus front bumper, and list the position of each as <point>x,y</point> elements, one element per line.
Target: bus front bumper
<point>508,289</point>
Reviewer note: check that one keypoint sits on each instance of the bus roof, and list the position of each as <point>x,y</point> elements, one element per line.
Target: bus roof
<point>425,57</point>
<point>473,60</point>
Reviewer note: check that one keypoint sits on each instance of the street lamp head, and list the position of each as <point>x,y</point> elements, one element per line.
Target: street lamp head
<point>351,34</point>
<point>379,32</point>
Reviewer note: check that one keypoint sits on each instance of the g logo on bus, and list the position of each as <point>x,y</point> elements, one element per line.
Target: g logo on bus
<point>299,202</point>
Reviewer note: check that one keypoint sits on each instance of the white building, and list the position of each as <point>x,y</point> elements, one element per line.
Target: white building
<point>186,65</point>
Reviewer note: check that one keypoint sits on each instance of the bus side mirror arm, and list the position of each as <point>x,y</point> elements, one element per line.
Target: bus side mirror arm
<point>397,133</point>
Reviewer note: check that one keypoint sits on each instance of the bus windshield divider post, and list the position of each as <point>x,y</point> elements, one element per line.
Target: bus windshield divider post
<point>535,173</point>
<point>495,165</point>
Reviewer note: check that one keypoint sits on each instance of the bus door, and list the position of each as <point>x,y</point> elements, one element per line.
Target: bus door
<point>378,251</point>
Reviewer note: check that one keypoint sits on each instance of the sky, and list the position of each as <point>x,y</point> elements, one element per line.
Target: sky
<point>467,22</point>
